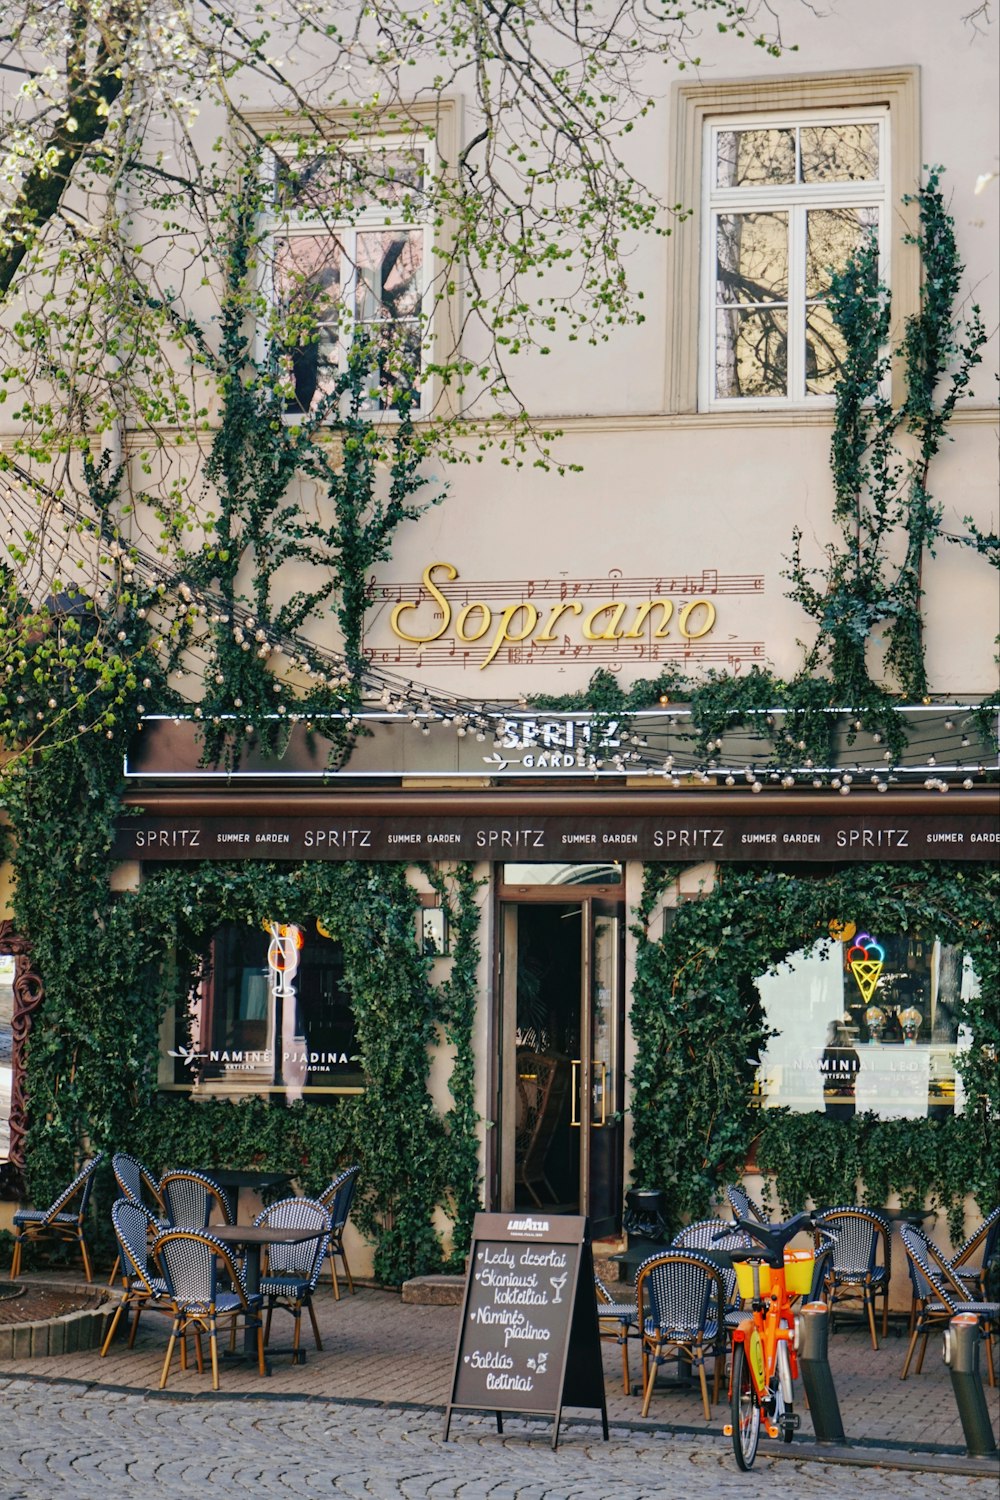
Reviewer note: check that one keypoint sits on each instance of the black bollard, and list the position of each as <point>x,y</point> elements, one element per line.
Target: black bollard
<point>813,1330</point>
<point>962,1341</point>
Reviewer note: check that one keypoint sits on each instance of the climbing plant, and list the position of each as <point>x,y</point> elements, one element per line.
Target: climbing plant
<point>699,1028</point>
<point>114,965</point>
<point>881,455</point>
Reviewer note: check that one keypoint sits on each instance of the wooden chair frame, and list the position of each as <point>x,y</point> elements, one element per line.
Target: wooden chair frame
<point>656,1347</point>
<point>204,1317</point>
<point>49,1225</point>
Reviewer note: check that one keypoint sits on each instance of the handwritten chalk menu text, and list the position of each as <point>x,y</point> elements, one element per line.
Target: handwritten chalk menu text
<point>529,1338</point>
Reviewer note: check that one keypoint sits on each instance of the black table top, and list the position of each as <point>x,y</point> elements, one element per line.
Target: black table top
<point>262,1234</point>
<point>231,1177</point>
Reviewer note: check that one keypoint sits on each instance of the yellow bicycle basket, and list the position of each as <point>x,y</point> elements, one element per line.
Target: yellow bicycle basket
<point>799,1265</point>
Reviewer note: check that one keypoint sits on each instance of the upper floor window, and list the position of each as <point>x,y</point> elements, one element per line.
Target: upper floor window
<point>787,201</point>
<point>350,250</point>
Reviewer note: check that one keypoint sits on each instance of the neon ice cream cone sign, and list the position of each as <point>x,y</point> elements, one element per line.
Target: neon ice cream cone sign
<point>865,958</point>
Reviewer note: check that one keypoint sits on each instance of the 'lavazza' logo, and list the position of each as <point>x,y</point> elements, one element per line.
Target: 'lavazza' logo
<point>527,1226</point>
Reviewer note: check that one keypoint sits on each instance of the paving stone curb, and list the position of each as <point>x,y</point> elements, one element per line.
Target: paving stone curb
<point>65,1333</point>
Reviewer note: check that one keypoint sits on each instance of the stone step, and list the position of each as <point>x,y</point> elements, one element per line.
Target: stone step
<point>435,1291</point>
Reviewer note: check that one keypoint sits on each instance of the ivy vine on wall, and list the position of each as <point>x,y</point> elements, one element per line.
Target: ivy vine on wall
<point>698,1028</point>
<point>114,966</point>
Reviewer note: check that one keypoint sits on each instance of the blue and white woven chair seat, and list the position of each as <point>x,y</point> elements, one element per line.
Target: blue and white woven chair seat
<point>154,1286</point>
<point>625,1315</point>
<point>938,1297</point>
<point>679,1294</point>
<point>141,1285</point>
<point>625,1312</point>
<point>223,1302</point>
<point>41,1216</point>
<point>854,1258</point>
<point>988,1310</point>
<point>196,1265</point>
<point>284,1286</point>
<point>680,1333</point>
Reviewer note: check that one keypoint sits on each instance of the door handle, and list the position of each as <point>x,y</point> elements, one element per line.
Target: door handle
<point>601,1068</point>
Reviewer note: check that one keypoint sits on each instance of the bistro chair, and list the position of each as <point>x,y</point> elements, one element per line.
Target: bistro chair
<point>194,1263</point>
<point>337,1200</point>
<point>293,1270</point>
<point>138,1184</point>
<point>743,1206</point>
<point>716,1234</point>
<point>972,1261</point>
<point>57,1222</point>
<point>189,1199</point>
<point>616,1320</point>
<point>142,1286</point>
<point>939,1296</point>
<point>678,1295</point>
<point>860,1264</point>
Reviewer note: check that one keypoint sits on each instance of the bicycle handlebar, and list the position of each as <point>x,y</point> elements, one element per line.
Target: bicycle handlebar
<point>772,1238</point>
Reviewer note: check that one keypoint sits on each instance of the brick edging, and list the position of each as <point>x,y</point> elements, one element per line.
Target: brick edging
<point>67,1334</point>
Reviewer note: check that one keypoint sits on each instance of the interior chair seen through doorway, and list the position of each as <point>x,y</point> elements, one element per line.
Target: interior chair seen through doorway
<point>543,1084</point>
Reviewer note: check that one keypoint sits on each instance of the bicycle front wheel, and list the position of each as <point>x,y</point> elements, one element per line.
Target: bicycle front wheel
<point>745,1411</point>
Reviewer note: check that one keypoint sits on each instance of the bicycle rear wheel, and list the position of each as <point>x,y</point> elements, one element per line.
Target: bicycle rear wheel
<point>745,1412</point>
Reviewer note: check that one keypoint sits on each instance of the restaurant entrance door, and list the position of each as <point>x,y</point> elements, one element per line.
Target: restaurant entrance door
<point>561,1031</point>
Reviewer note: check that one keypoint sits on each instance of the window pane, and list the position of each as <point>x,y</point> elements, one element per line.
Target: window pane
<point>270,1015</point>
<point>396,355</point>
<point>390,178</point>
<point>308,274</point>
<point>865,1024</point>
<point>308,279</point>
<point>389,274</point>
<point>752,258</point>
<point>339,184</point>
<point>749,157</point>
<point>839,153</point>
<point>751,352</point>
<point>832,236</point>
<point>825,349</point>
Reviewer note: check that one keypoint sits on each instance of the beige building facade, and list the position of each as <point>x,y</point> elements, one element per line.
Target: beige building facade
<point>697,445</point>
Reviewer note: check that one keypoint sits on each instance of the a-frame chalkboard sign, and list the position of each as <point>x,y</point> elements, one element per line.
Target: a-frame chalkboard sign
<point>529,1340</point>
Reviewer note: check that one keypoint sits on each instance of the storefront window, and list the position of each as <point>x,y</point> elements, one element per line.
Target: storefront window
<point>6,1049</point>
<point>268,1014</point>
<point>866,1022</point>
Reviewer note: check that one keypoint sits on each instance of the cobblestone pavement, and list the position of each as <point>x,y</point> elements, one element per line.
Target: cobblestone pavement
<point>362,1417</point>
<point>83,1443</point>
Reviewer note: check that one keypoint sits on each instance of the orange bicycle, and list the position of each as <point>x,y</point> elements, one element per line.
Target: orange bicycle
<point>764,1363</point>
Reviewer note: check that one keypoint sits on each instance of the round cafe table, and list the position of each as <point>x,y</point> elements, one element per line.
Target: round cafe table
<point>252,1238</point>
<point>232,1180</point>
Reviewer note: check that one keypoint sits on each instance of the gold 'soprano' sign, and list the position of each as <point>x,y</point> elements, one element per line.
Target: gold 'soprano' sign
<point>513,624</point>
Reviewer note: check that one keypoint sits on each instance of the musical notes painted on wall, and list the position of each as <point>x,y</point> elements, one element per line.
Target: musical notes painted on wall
<point>612,621</point>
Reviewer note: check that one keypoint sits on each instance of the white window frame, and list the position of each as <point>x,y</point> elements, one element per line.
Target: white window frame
<point>796,200</point>
<point>439,313</point>
<point>848,94</point>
